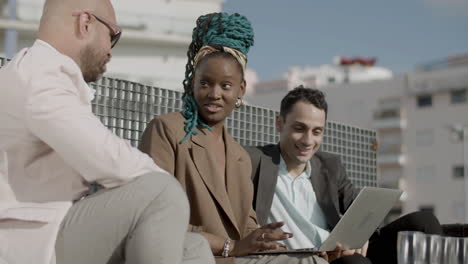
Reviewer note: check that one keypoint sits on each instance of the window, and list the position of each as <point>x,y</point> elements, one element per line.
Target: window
<point>426,208</point>
<point>424,100</point>
<point>390,103</point>
<point>389,113</point>
<point>389,108</point>
<point>458,96</point>
<point>458,171</point>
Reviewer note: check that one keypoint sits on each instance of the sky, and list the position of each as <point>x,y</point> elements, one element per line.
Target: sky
<point>402,34</point>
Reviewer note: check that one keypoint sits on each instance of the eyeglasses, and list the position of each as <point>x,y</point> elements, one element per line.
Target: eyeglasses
<point>116,31</point>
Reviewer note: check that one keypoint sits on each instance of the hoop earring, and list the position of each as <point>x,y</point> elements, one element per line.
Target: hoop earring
<point>239,102</point>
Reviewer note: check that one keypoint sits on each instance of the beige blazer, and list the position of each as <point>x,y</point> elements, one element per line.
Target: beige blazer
<point>224,210</point>
<point>51,146</point>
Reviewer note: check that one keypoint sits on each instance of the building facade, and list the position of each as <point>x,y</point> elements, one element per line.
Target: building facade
<point>414,115</point>
<point>154,43</point>
<point>343,70</point>
<point>435,103</point>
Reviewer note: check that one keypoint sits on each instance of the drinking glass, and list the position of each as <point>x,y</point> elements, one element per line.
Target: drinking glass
<point>450,250</point>
<point>411,247</point>
<point>433,249</point>
<point>463,250</point>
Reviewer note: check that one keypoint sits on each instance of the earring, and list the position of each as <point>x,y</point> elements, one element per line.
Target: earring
<point>239,102</point>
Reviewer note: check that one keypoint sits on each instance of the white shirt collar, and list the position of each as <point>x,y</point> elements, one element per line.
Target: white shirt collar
<point>92,91</point>
<point>283,169</point>
<point>45,44</point>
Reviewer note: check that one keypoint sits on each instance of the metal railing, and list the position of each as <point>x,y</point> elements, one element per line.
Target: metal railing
<point>126,107</point>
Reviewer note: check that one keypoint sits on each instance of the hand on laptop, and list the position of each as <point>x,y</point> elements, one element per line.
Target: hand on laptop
<point>336,254</point>
<point>262,239</point>
<point>339,252</point>
<point>363,251</point>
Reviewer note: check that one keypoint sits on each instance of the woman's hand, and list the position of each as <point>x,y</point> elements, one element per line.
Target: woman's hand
<point>263,238</point>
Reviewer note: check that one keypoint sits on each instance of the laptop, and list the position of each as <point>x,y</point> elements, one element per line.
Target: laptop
<point>356,226</point>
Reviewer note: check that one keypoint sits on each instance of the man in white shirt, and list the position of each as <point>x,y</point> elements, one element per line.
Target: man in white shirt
<point>309,190</point>
<point>52,147</point>
<point>295,203</point>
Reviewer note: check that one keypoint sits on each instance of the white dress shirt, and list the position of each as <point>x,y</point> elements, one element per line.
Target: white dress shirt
<point>52,146</point>
<point>295,203</point>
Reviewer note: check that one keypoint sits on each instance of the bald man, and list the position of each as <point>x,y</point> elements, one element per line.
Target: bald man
<point>53,147</point>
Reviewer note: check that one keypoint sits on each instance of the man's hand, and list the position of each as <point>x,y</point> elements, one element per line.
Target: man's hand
<point>338,252</point>
<point>261,239</point>
<point>363,251</point>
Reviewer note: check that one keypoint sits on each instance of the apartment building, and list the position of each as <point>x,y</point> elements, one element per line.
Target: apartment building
<point>419,118</point>
<point>154,43</point>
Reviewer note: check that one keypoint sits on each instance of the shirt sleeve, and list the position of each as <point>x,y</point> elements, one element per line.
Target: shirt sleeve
<point>3,164</point>
<point>57,115</point>
<point>6,193</point>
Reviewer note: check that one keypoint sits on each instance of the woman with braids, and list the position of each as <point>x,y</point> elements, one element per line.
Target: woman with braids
<point>196,148</point>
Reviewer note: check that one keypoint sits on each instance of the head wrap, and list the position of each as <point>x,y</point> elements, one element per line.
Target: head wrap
<point>215,32</point>
<point>207,50</point>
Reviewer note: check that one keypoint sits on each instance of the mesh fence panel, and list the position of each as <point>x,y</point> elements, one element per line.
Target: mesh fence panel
<point>126,107</point>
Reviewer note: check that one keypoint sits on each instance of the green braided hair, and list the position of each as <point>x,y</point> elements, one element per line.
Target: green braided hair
<point>215,29</point>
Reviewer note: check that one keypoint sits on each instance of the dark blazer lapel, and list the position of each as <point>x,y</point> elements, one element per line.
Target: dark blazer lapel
<point>268,177</point>
<point>207,170</point>
<point>324,191</point>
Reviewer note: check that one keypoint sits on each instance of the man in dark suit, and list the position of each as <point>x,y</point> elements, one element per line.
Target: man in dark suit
<point>309,190</point>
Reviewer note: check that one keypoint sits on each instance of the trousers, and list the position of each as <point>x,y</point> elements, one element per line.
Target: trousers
<point>141,222</point>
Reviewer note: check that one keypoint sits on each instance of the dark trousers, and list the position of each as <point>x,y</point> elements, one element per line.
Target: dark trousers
<point>383,244</point>
<point>354,259</point>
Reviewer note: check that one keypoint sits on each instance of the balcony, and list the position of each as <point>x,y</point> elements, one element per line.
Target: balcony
<point>388,118</point>
<point>391,159</point>
<point>390,148</point>
<point>389,123</point>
